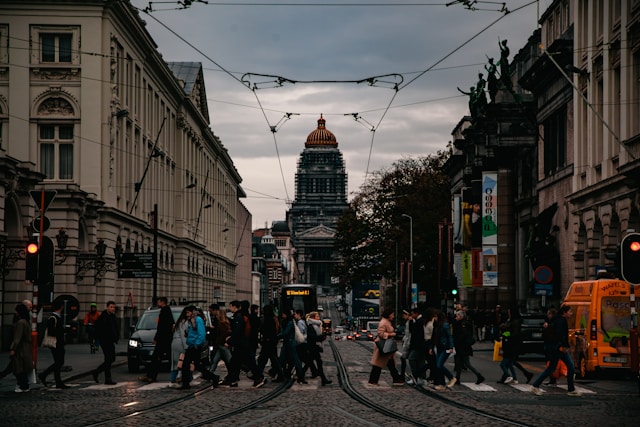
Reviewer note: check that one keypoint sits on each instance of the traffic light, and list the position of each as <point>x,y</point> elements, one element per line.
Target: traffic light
<point>31,258</point>
<point>630,258</point>
<point>46,261</point>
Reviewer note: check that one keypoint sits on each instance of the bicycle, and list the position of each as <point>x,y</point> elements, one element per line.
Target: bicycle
<point>92,339</point>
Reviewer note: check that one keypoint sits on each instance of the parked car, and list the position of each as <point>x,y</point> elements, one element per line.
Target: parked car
<point>532,333</point>
<point>140,346</point>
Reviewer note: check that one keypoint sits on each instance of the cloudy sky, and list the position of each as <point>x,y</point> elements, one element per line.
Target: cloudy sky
<point>425,48</point>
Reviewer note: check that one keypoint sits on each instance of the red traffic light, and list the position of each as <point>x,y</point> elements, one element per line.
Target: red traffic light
<point>32,248</point>
<point>634,246</point>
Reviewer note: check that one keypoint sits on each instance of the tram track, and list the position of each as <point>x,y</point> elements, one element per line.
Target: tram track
<point>467,410</point>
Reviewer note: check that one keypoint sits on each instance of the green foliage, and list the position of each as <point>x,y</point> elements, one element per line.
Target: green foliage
<point>373,235</point>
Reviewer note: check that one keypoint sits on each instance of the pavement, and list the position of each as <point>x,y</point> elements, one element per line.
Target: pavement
<point>78,362</point>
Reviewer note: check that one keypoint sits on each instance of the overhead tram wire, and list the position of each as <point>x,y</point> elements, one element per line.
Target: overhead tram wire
<point>239,81</point>
<point>386,110</point>
<point>432,66</point>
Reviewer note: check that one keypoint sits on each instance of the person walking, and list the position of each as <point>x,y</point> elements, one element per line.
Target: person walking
<point>463,342</point>
<point>417,347</point>
<point>379,360</point>
<point>178,345</point>
<point>314,342</point>
<point>269,329</point>
<point>220,333</point>
<point>107,333</point>
<point>161,340</point>
<point>444,347</point>
<point>406,347</point>
<point>20,349</point>
<point>302,348</point>
<point>289,354</point>
<point>559,351</point>
<point>240,344</point>
<point>196,338</point>
<point>514,322</point>
<point>55,327</point>
<point>9,368</point>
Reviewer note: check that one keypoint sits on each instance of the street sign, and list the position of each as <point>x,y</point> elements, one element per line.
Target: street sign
<point>136,265</point>
<point>43,198</point>
<point>35,224</point>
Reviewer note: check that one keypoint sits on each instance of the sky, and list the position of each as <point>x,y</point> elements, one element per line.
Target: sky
<point>383,73</point>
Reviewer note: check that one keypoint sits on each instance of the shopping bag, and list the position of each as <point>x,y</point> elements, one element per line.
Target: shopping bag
<point>497,351</point>
<point>561,369</point>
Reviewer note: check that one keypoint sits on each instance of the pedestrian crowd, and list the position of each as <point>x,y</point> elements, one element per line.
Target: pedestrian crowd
<point>242,339</point>
<point>430,339</point>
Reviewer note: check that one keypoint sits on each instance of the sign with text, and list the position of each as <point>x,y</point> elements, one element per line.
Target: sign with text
<point>132,265</point>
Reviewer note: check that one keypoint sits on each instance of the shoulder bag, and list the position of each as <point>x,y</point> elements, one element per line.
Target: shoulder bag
<point>50,340</point>
<point>300,339</point>
<point>387,346</point>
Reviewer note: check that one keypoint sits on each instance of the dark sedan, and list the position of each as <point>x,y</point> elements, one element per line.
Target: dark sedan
<point>532,333</point>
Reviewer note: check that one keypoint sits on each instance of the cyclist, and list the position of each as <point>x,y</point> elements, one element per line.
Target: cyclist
<point>89,320</point>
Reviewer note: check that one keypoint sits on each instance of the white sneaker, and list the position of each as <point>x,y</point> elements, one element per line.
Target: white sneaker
<point>537,391</point>
<point>452,382</point>
<point>574,393</point>
<point>410,382</point>
<point>509,380</point>
<point>514,382</point>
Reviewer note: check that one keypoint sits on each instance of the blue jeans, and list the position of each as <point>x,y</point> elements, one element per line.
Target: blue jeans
<point>553,363</point>
<point>508,370</point>
<point>442,370</point>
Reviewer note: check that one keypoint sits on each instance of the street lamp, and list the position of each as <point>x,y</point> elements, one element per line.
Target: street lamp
<point>410,251</point>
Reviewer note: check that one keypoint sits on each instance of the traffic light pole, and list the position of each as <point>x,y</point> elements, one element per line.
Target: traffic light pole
<point>35,308</point>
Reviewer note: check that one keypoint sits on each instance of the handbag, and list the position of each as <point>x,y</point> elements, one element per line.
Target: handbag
<point>387,346</point>
<point>50,340</point>
<point>300,339</point>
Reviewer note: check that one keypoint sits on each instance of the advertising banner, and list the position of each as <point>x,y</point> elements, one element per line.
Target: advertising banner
<point>489,208</point>
<point>366,299</point>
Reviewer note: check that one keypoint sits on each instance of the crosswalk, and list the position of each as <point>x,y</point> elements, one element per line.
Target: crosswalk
<point>484,387</point>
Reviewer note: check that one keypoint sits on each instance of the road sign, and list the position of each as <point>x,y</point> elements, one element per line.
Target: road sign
<point>43,198</point>
<point>136,265</point>
<point>35,224</point>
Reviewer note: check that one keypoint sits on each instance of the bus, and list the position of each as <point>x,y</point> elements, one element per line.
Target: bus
<point>298,297</point>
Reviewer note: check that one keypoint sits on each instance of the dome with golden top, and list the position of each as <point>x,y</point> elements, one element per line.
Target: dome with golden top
<point>321,136</point>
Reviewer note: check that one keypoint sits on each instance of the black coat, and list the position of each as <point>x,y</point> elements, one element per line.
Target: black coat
<point>106,328</point>
<point>164,331</point>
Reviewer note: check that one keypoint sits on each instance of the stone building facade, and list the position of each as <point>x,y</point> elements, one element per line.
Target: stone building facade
<point>90,109</point>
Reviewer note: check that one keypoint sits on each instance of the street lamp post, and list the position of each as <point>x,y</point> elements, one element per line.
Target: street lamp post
<point>410,252</point>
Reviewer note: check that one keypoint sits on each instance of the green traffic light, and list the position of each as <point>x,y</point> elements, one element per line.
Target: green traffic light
<point>454,292</point>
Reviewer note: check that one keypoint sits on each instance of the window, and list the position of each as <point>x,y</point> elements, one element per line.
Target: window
<point>55,47</point>
<point>555,141</point>
<point>56,151</point>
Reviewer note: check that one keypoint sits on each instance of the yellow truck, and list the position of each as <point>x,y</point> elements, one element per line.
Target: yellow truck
<point>599,328</point>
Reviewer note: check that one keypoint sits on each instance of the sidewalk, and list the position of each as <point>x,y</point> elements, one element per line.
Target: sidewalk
<point>78,361</point>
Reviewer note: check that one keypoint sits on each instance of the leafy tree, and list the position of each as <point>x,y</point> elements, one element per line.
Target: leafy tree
<point>373,235</point>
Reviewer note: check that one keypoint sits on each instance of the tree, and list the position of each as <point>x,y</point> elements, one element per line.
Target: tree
<point>369,230</point>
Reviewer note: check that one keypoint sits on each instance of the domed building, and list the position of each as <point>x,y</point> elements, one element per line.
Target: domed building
<point>321,198</point>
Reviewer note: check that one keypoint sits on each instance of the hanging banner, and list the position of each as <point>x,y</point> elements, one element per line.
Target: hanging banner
<point>489,208</point>
<point>457,223</point>
<point>490,266</point>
